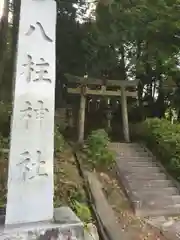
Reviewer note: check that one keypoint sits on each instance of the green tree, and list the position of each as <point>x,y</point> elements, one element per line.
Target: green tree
<point>138,39</point>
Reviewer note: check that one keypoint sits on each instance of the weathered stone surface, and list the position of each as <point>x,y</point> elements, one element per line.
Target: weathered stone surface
<point>133,154</point>
<point>91,232</point>
<point>139,170</point>
<point>147,193</point>
<point>172,231</point>
<point>131,158</point>
<point>158,202</point>
<point>156,221</point>
<point>65,215</point>
<point>66,226</point>
<point>30,180</point>
<point>40,230</point>
<point>146,176</point>
<point>169,228</point>
<point>139,163</point>
<point>104,210</point>
<point>136,184</point>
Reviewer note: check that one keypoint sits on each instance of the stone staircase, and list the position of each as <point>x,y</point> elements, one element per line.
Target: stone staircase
<point>151,191</point>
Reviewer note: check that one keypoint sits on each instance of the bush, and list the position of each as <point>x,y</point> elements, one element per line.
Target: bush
<point>5,114</point>
<point>82,211</point>
<point>59,142</point>
<point>97,148</point>
<point>164,138</point>
<point>61,125</point>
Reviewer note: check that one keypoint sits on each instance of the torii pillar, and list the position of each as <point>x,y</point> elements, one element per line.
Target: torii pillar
<point>125,114</point>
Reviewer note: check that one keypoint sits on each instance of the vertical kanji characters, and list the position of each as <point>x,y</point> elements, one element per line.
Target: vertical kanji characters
<point>36,72</point>
<point>32,28</point>
<point>32,167</point>
<point>27,113</point>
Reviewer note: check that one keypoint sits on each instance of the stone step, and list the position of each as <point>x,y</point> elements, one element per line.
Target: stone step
<point>159,201</point>
<point>133,154</point>
<point>140,150</point>
<point>134,158</point>
<point>153,184</point>
<point>138,170</point>
<point>125,145</point>
<point>146,176</point>
<point>137,163</point>
<point>170,210</point>
<point>172,231</point>
<point>169,191</point>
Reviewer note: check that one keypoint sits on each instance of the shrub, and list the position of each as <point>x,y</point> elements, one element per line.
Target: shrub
<point>59,142</point>
<point>97,148</point>
<point>61,125</point>
<point>82,211</point>
<point>5,114</point>
<point>164,138</point>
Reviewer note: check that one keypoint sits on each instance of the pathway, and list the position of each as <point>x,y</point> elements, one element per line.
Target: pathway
<point>151,191</point>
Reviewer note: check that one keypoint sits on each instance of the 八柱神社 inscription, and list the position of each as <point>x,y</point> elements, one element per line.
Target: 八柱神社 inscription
<point>33,28</point>
<point>30,180</point>
<point>38,69</point>
<point>29,112</point>
<point>31,168</point>
<point>41,111</point>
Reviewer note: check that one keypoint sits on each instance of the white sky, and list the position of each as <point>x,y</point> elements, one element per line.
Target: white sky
<point>92,7</point>
<point>1,6</point>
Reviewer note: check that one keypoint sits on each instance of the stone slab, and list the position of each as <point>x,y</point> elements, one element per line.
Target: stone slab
<point>153,212</point>
<point>156,221</point>
<point>148,196</point>
<point>65,226</point>
<point>66,215</point>
<point>172,231</point>
<point>135,184</point>
<point>160,202</point>
<point>139,170</point>
<point>133,154</point>
<point>40,230</point>
<point>134,163</point>
<point>169,228</point>
<point>30,175</point>
<point>146,176</point>
<point>134,158</point>
<point>104,210</point>
<point>166,191</point>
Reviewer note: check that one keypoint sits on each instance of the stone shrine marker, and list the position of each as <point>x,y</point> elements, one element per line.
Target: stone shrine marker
<point>29,210</point>
<point>30,181</point>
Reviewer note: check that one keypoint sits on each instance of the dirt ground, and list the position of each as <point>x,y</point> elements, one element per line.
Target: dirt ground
<point>68,184</point>
<point>67,181</point>
<point>135,226</point>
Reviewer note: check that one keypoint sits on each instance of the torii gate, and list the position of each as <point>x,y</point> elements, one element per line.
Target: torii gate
<point>85,89</point>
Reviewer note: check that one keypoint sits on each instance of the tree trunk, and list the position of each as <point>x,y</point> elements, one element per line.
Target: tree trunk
<point>3,38</point>
<point>122,63</point>
<point>178,117</point>
<point>14,35</point>
<point>160,105</point>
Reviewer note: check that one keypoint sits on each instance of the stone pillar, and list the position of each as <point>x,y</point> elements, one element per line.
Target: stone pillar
<point>30,178</point>
<point>70,117</point>
<point>125,115</point>
<point>82,114</point>
<point>109,118</point>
